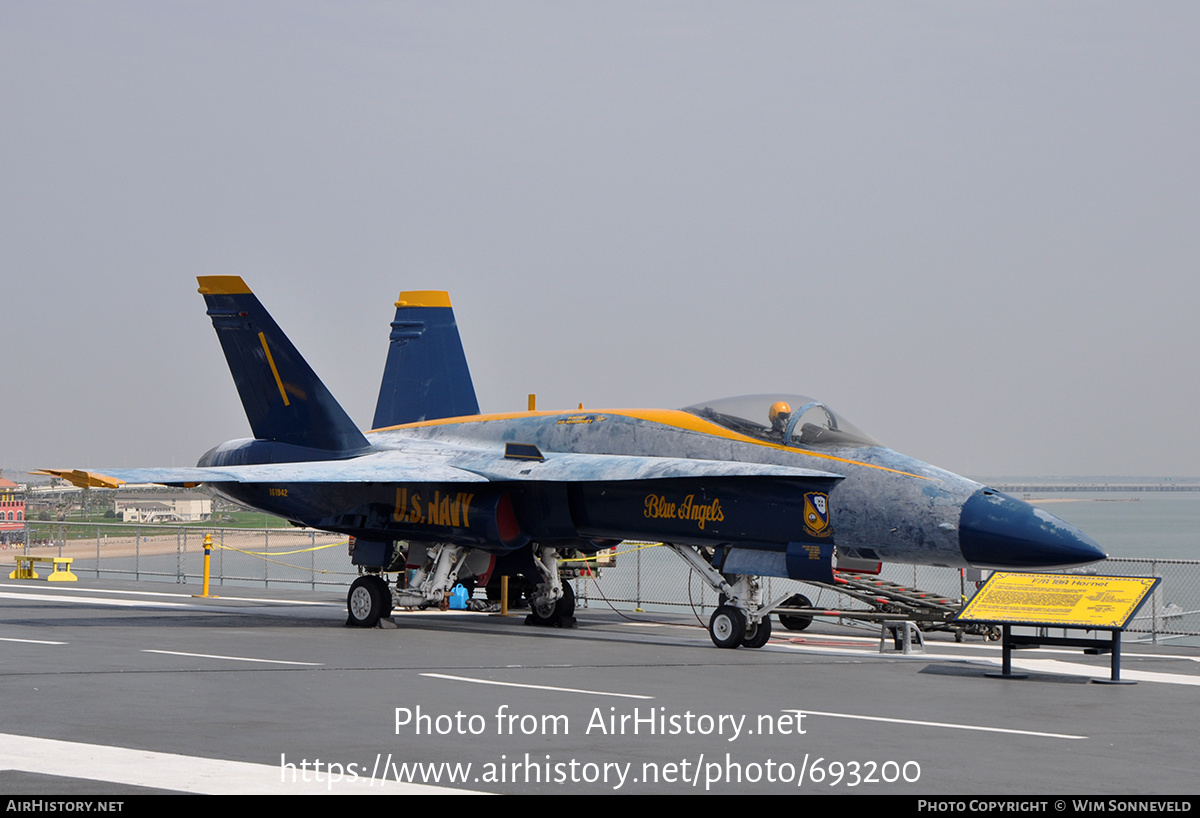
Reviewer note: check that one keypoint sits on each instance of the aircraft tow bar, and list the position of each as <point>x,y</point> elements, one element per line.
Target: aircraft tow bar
<point>889,604</point>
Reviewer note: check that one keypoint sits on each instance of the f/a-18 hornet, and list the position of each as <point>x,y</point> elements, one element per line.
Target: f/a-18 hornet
<point>740,488</point>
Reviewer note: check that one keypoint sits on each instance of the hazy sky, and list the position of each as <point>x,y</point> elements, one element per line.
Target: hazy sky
<point>972,228</point>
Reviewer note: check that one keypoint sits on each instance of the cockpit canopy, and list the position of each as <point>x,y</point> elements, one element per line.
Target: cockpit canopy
<point>791,420</point>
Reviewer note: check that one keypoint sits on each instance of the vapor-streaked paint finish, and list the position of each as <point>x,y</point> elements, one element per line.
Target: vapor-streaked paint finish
<point>698,477</point>
<point>899,508</point>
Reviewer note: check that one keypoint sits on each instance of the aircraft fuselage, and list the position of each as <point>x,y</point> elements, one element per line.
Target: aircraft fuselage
<point>885,506</point>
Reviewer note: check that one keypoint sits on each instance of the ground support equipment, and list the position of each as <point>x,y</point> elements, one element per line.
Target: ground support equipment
<point>901,611</point>
<point>61,573</point>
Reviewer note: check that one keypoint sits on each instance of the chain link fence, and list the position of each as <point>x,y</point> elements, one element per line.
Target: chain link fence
<point>646,576</point>
<point>649,577</point>
<point>1174,607</point>
<point>175,553</point>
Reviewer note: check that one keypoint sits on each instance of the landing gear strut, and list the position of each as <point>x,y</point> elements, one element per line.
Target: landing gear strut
<point>552,602</point>
<point>371,598</point>
<point>741,620</point>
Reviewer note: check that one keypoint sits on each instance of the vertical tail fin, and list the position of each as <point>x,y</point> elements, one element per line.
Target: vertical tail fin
<point>426,375</point>
<point>284,399</point>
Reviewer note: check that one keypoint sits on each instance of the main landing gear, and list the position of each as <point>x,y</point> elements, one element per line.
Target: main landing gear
<point>741,620</point>
<point>369,600</point>
<point>552,603</point>
<point>557,614</point>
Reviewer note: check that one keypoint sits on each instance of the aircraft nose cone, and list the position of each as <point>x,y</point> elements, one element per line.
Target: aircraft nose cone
<point>999,531</point>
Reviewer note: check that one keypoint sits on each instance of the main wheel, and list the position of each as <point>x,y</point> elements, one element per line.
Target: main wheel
<point>727,627</point>
<point>757,634</point>
<point>550,615</point>
<point>385,599</point>
<point>368,600</point>
<point>796,622</point>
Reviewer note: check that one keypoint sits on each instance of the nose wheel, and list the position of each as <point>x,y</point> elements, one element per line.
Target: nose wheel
<point>757,634</point>
<point>727,627</point>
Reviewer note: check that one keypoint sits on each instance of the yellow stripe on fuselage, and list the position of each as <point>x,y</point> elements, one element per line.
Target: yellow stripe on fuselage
<point>666,417</point>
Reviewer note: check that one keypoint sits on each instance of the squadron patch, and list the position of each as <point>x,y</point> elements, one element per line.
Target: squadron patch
<point>816,514</point>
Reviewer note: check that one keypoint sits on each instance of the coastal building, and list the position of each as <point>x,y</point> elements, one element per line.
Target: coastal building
<point>12,510</point>
<point>159,508</point>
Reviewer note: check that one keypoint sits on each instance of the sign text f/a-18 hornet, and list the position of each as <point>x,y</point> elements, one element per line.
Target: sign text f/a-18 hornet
<point>740,488</point>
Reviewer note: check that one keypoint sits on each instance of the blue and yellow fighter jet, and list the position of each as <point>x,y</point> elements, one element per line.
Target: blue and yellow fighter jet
<point>740,488</point>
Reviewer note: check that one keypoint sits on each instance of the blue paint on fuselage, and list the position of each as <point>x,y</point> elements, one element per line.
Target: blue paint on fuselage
<point>886,506</point>
<point>889,506</point>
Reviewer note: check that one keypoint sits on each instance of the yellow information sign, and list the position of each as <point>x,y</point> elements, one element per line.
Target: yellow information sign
<point>1061,600</point>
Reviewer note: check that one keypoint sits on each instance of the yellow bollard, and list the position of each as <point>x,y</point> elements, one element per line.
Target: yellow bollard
<point>207,563</point>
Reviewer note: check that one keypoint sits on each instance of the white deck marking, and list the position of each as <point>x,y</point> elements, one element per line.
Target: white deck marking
<point>949,726</point>
<point>232,658</point>
<point>1128,648</point>
<point>180,773</point>
<point>535,687</point>
<point>35,591</point>
<point>1027,663</point>
<point>31,641</point>
<point>95,600</point>
<point>1102,671</point>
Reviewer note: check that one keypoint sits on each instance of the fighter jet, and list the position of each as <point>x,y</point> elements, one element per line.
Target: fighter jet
<point>740,488</point>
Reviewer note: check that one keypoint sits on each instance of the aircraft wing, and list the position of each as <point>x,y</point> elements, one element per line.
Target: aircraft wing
<point>573,467</point>
<point>394,467</point>
<point>356,470</point>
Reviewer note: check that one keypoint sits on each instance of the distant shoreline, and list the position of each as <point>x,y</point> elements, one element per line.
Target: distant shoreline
<point>1123,488</point>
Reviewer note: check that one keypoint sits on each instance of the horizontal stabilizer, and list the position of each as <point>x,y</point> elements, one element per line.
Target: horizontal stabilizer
<point>82,479</point>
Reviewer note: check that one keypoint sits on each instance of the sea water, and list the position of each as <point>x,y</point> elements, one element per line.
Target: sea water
<point>1159,524</point>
